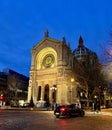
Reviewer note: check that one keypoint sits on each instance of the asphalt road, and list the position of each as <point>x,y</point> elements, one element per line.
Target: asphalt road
<point>45,120</point>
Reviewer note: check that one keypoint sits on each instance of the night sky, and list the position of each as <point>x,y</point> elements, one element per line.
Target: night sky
<point>23,22</point>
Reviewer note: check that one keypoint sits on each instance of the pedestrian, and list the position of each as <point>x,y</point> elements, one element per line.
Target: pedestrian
<point>98,107</point>
<point>95,107</point>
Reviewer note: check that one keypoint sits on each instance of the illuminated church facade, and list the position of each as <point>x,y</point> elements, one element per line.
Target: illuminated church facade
<point>52,78</point>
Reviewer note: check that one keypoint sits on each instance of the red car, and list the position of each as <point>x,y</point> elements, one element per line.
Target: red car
<point>68,111</point>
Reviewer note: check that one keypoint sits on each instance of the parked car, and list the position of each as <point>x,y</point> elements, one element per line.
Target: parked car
<point>68,111</point>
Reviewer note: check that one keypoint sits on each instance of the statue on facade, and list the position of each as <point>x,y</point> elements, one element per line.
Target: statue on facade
<point>46,33</point>
<point>64,40</point>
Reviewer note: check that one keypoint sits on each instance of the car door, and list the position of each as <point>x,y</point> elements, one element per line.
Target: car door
<point>75,109</point>
<point>72,109</point>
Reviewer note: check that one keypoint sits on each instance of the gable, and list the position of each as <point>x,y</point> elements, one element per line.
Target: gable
<point>46,41</point>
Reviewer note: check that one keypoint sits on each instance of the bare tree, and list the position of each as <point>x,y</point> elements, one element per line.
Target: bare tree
<point>106,58</point>
<point>106,49</point>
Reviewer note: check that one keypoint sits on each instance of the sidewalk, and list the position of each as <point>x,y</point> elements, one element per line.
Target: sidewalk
<point>102,112</point>
<point>27,108</point>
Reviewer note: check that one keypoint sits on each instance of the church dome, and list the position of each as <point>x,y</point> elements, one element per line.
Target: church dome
<point>82,51</point>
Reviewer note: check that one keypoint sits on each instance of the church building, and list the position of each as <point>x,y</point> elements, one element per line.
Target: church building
<point>52,78</point>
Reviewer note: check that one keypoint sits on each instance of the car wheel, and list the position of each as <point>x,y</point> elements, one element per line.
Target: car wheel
<point>68,115</point>
<point>57,116</point>
<point>81,113</point>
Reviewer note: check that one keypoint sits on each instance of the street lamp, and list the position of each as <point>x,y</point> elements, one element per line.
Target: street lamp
<point>53,96</point>
<point>54,93</point>
<point>72,80</point>
<point>95,96</point>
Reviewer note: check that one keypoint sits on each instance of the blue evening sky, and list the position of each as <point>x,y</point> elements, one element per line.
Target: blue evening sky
<point>23,22</point>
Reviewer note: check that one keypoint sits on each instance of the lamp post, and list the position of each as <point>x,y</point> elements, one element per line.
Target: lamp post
<point>54,93</point>
<point>72,80</point>
<point>53,89</point>
<point>100,101</point>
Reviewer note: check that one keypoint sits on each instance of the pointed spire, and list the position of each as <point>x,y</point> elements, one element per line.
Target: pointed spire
<point>46,33</point>
<point>81,42</point>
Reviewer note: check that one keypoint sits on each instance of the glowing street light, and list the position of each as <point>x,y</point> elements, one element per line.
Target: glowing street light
<point>54,93</point>
<point>53,88</point>
<point>72,80</point>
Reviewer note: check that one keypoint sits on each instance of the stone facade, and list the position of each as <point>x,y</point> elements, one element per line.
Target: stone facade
<point>51,76</point>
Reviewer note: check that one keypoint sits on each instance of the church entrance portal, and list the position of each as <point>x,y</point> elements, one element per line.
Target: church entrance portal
<point>46,94</point>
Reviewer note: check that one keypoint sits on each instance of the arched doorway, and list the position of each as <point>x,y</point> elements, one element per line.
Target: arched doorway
<point>39,93</point>
<point>46,95</point>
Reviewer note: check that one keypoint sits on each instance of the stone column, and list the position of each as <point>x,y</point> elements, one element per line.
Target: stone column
<point>58,100</point>
<point>63,94</point>
<point>42,93</point>
<point>50,96</point>
<point>29,94</point>
<point>32,63</point>
<point>36,90</point>
<point>29,91</point>
<point>35,94</point>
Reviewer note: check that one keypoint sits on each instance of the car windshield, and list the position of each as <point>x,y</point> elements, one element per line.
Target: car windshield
<point>72,106</point>
<point>62,106</point>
